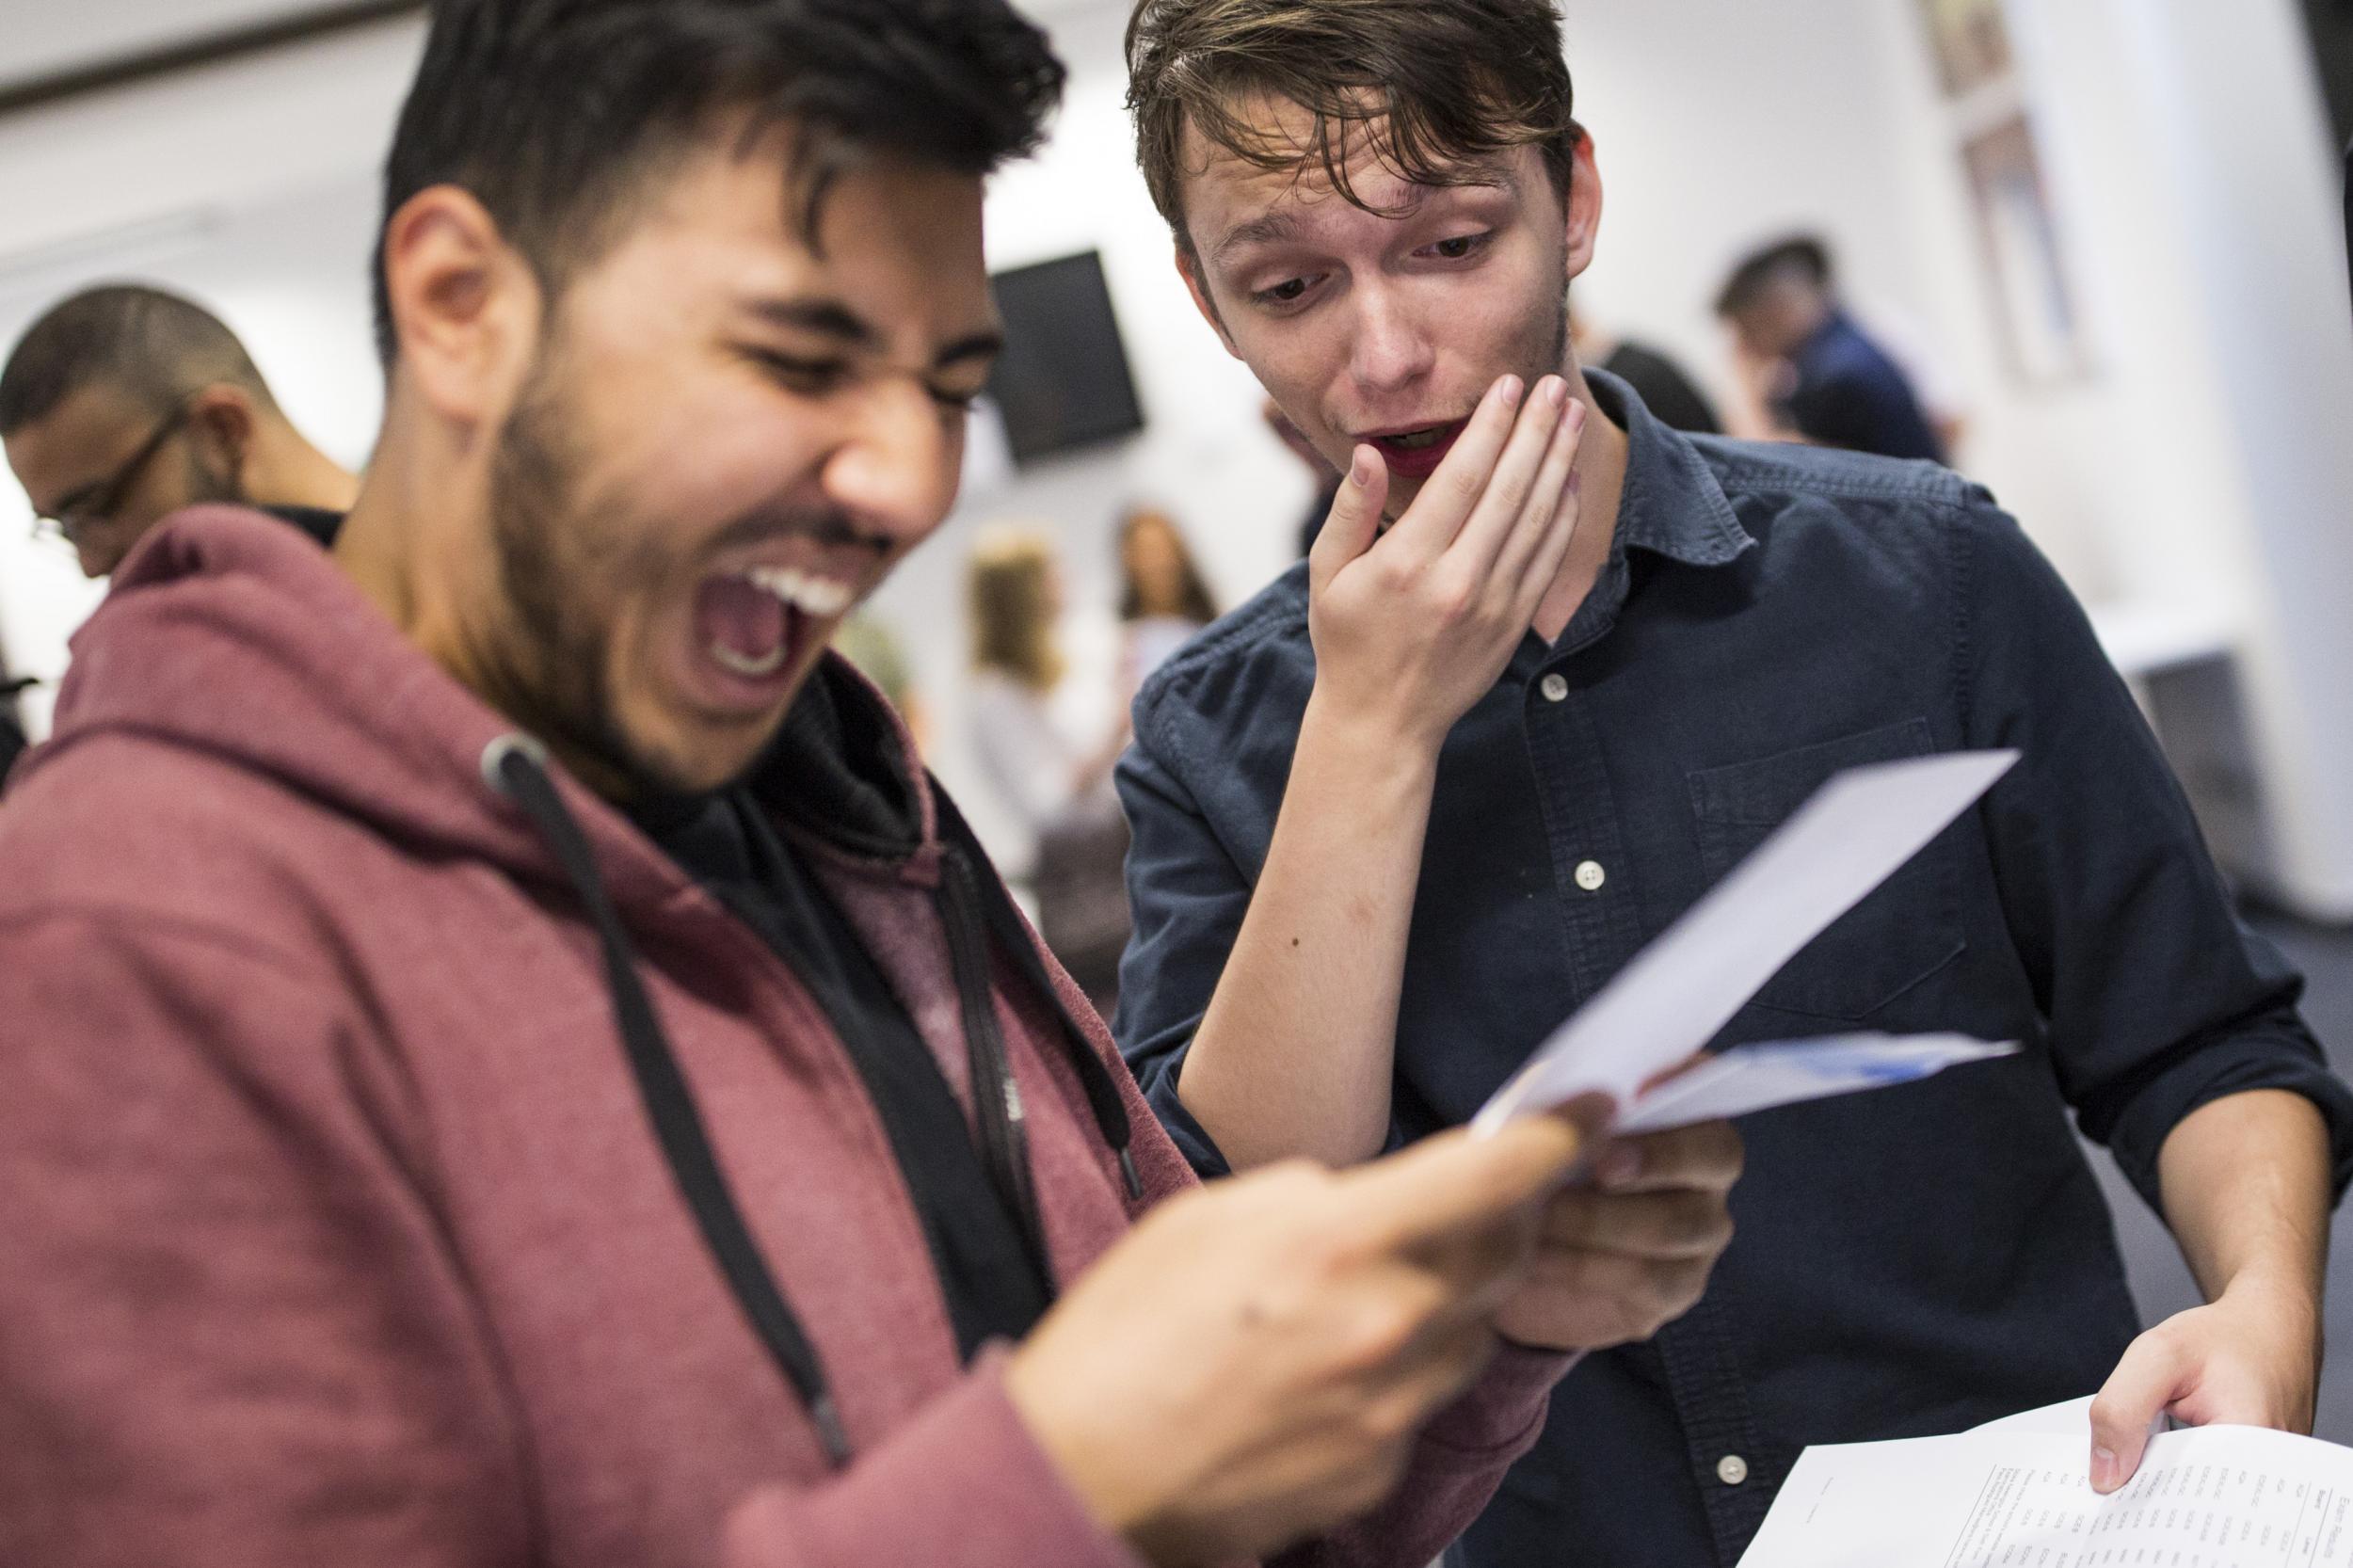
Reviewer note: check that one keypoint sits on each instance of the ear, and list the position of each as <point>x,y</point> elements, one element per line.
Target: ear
<point>1584,207</point>
<point>466,307</point>
<point>1189,269</point>
<point>221,417</point>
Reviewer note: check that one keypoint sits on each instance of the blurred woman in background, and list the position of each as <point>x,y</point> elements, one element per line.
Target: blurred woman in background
<point>1031,739</point>
<point>1162,599</point>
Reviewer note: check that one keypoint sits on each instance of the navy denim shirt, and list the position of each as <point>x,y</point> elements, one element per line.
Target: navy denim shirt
<point>1909,1261</point>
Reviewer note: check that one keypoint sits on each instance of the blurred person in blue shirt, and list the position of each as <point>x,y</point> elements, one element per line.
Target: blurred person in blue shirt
<point>1830,382</point>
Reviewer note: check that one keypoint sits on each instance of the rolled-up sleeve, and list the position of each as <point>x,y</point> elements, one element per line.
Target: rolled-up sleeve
<point>2159,1000</point>
<point>1187,898</point>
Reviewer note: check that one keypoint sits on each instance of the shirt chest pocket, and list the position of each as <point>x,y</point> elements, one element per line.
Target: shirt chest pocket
<point>1904,931</point>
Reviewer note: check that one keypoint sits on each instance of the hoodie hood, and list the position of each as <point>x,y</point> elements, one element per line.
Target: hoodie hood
<point>229,633</point>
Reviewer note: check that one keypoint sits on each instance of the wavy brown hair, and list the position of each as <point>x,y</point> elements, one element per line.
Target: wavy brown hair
<point>1009,594</point>
<point>1438,88</point>
<point>1193,602</point>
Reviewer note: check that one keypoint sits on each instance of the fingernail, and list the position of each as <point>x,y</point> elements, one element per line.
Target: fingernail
<point>1556,390</point>
<point>2102,1469</point>
<point>1508,388</point>
<point>1360,471</point>
<point>1577,416</point>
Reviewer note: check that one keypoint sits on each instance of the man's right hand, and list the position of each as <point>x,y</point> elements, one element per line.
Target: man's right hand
<point>1413,626</point>
<point>1249,1366</point>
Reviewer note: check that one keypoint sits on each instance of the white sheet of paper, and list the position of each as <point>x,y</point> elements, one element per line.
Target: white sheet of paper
<point>1678,991</point>
<point>1760,1077</point>
<point>2014,1494</point>
<point>2068,1419</point>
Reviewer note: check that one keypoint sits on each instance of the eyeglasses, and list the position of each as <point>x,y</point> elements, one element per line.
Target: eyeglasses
<point>100,499</point>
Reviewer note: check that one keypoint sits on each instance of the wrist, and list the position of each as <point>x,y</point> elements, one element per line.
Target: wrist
<point>2283,1295</point>
<point>1113,1498</point>
<point>1371,738</point>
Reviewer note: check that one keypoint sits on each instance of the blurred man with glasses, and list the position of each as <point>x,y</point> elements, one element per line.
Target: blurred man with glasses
<point>123,404</point>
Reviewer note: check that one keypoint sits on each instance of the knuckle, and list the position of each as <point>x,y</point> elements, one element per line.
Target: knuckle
<point>1379,1336</point>
<point>1390,1420</point>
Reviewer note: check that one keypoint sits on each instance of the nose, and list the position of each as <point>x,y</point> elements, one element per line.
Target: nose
<point>898,461</point>
<point>1391,348</point>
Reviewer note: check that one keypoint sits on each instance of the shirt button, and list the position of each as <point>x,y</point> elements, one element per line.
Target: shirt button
<point>1590,876</point>
<point>1555,687</point>
<point>1731,1469</point>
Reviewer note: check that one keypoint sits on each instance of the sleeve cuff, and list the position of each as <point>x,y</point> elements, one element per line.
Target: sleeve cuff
<point>964,1482</point>
<point>1504,1410</point>
<point>2214,1073</point>
<point>1200,1150</point>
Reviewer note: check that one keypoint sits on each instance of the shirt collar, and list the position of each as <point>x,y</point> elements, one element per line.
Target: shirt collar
<point>1672,505</point>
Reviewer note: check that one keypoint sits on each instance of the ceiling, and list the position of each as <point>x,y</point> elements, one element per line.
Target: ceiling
<point>46,41</point>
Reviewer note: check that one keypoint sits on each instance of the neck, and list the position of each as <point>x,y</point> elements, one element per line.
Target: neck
<point>408,537</point>
<point>292,473</point>
<point>1601,487</point>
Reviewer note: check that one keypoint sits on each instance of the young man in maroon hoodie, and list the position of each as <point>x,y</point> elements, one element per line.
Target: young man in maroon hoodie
<point>509,1060</point>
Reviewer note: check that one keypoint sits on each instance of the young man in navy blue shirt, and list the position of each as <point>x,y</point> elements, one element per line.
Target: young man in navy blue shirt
<point>1421,798</point>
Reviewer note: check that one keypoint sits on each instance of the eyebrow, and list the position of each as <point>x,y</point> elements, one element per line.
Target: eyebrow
<point>1479,174</point>
<point>1258,231</point>
<point>830,318</point>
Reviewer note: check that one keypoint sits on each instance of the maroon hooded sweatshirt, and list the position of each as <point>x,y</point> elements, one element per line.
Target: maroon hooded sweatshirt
<point>333,1230</point>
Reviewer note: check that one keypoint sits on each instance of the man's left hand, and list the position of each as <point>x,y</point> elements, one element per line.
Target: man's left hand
<point>1627,1253</point>
<point>2251,1358</point>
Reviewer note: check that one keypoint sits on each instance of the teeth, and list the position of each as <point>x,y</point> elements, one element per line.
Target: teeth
<point>750,668</point>
<point>821,597</point>
<point>1418,439</point>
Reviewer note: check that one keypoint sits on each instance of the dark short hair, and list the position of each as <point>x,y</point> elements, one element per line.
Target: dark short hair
<point>155,347</point>
<point>1440,85</point>
<point>1805,256</point>
<point>555,114</point>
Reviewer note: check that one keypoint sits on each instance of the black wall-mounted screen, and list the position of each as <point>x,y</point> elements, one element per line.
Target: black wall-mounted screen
<point>1062,380</point>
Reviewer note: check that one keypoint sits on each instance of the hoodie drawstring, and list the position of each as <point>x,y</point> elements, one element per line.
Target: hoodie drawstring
<point>1006,925</point>
<point>515,766</point>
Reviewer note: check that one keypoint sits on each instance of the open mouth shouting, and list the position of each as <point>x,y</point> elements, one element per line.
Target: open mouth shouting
<point>1414,452</point>
<point>753,627</point>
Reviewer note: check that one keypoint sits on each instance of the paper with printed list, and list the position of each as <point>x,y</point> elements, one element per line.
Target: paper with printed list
<point>2019,1493</point>
<point>1670,1001</point>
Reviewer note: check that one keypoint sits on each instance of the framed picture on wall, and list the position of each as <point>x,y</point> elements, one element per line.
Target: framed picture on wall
<point>2044,335</point>
<point>1970,40</point>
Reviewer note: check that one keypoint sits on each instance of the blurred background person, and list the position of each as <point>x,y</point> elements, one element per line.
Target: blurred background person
<point>122,404</point>
<point>1044,748</point>
<point>1812,371</point>
<point>1164,600</point>
<point>1656,379</point>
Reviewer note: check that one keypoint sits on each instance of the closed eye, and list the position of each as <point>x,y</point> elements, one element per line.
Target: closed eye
<point>794,373</point>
